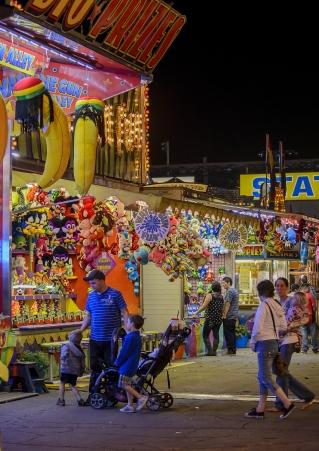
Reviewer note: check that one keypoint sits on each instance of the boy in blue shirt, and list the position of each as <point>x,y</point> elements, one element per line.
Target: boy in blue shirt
<point>127,363</point>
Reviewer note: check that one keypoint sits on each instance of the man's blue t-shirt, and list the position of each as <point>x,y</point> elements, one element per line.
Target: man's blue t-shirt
<point>105,312</point>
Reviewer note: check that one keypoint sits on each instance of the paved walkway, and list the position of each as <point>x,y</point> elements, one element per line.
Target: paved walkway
<point>198,423</point>
<point>235,374</point>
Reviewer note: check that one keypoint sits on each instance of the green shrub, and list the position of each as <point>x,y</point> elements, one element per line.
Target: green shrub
<point>41,360</point>
<point>241,331</point>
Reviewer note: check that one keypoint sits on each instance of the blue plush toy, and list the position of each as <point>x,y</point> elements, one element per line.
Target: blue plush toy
<point>202,272</point>
<point>291,235</point>
<point>304,252</point>
<point>141,255</point>
<point>131,268</point>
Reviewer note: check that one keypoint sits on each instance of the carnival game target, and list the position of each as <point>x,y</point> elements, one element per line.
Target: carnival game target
<point>150,226</point>
<point>233,236</point>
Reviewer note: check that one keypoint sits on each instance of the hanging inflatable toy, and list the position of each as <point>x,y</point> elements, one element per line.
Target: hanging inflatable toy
<point>36,109</point>
<point>4,128</point>
<point>88,127</point>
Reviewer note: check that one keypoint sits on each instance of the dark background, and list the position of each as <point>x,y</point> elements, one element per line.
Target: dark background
<point>232,75</point>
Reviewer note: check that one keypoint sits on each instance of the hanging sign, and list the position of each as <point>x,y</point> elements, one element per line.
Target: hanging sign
<point>300,186</point>
<point>67,83</point>
<point>137,31</point>
<point>18,58</point>
<point>105,263</point>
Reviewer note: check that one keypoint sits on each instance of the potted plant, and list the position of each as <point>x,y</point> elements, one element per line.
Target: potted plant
<point>242,336</point>
<point>40,359</point>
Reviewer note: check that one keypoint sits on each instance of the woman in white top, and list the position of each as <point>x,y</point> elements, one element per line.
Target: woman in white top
<point>269,324</point>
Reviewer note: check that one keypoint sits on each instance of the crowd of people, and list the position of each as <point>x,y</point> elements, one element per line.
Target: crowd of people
<point>282,325</point>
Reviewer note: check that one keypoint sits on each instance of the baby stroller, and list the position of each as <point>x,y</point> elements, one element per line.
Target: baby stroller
<point>106,392</point>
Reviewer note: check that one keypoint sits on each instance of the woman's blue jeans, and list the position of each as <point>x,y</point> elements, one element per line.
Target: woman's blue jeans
<point>266,352</point>
<point>312,330</point>
<point>288,382</point>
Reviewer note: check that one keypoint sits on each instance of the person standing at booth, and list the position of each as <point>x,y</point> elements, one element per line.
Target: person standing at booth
<point>230,316</point>
<point>213,306</point>
<point>105,308</point>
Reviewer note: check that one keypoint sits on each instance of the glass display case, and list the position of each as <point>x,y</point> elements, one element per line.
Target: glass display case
<point>248,272</point>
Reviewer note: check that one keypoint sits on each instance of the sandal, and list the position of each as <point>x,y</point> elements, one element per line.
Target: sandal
<point>307,404</point>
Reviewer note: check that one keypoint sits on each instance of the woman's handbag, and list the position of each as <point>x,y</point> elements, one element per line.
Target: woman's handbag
<point>279,368</point>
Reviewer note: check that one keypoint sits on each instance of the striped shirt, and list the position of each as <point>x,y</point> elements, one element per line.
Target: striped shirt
<point>105,313</point>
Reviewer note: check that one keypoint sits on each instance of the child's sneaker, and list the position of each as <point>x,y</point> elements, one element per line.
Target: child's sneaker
<point>128,409</point>
<point>141,403</point>
<point>60,402</point>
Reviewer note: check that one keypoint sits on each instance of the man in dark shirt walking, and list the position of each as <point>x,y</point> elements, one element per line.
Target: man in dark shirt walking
<point>231,307</point>
<point>105,308</point>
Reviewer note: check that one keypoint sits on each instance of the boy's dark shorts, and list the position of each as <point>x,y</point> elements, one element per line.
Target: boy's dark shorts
<point>69,378</point>
<point>124,380</point>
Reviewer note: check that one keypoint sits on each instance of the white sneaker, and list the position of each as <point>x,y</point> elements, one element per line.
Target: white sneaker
<point>128,409</point>
<point>141,403</point>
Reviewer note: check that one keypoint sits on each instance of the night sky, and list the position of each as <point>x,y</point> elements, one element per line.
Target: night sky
<point>262,79</point>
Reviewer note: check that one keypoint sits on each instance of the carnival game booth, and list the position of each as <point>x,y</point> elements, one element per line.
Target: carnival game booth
<point>74,103</point>
<point>209,238</point>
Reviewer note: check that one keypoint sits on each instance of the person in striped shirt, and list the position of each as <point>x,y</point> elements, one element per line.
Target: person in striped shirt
<point>105,308</point>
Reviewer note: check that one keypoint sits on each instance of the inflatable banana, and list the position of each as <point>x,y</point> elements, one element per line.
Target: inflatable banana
<point>57,138</point>
<point>3,128</point>
<point>16,127</point>
<point>88,128</point>
<point>36,109</point>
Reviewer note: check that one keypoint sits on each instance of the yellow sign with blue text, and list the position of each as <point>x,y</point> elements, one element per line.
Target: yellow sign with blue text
<point>300,186</point>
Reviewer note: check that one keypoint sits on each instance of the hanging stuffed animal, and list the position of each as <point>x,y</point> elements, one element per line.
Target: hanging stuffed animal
<point>202,272</point>
<point>124,246</point>
<point>291,236</point>
<point>141,255</point>
<point>158,254</point>
<point>304,246</point>
<point>131,268</point>
<point>200,288</point>
<point>60,257</point>
<point>70,229</point>
<point>210,274</point>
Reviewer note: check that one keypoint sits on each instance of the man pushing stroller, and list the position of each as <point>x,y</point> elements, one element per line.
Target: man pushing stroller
<point>127,363</point>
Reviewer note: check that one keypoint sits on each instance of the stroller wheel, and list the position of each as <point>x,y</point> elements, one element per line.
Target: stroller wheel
<point>166,400</point>
<point>153,403</point>
<point>98,401</point>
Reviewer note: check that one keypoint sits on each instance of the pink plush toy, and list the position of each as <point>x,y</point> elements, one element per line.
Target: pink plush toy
<point>157,255</point>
